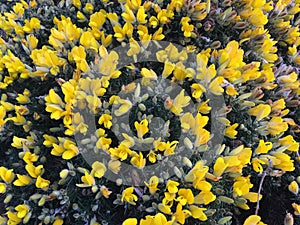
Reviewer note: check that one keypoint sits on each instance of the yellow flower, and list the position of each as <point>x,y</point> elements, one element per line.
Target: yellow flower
<point>23,99</point>
<point>230,90</point>
<point>78,55</point>
<point>54,105</point>
<point>180,215</point>
<point>202,135</point>
<point>181,72</point>
<point>151,156</point>
<point>97,20</point>
<point>172,186</point>
<point>260,111</point>
<point>67,150</point>
<point>87,179</point>
<point>296,208</point>
<point>198,213</point>
<point>276,126</point>
<point>153,21</point>
<point>121,32</point>
<point>47,59</point>
<point>14,66</point>
<point>122,151</point>
<point>31,25</point>
<point>252,196</point>
<point>253,220</point>
<point>205,197</point>
<point>130,221</point>
<point>285,163</point>
<point>134,49</point>
<point>98,169</point>
<point>166,209</point>
<point>153,182</point>
<point>30,157</point>
<point>197,173</point>
<point>167,147</point>
<point>158,219</point>
<point>76,3</point>
<point>34,171</point>
<point>278,105</point>
<point>219,166</point>
<point>128,15</point>
<point>215,85</point>
<point>103,143</point>
<point>257,165</point>
<point>258,18</point>
<point>177,105</point>
<point>32,41</point>
<point>49,140</point>
<point>164,16</point>
<point>150,74</point>
<point>58,221</point>
<point>185,196</point>
<point>291,78</point>
<point>42,183</point>
<point>289,140</point>
<point>186,27</point>
<point>198,89</point>
<point>18,9</point>
<point>141,16</point>
<point>108,64</point>
<point>128,196</point>
<point>263,147</point>
<point>105,192</point>
<point>81,17</point>
<point>13,219</point>
<point>158,35</point>
<point>125,105</point>
<point>22,180</point>
<point>2,188</point>
<point>231,56</point>
<point>204,108</point>
<point>88,41</point>
<point>138,160</point>
<point>231,132</point>
<point>242,186</point>
<point>6,175</point>
<point>168,69</point>
<point>114,166</point>
<point>141,128</point>
<point>294,187</point>
<point>106,120</point>
<point>22,210</point>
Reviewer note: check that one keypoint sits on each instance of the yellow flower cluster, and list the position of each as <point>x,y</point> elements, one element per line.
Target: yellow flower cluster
<point>62,66</point>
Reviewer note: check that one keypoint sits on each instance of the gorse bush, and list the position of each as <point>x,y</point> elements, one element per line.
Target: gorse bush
<point>149,112</point>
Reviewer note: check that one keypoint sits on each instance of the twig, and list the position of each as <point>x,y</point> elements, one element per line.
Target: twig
<point>263,175</point>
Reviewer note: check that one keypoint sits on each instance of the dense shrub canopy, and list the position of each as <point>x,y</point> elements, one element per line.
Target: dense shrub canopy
<point>149,112</point>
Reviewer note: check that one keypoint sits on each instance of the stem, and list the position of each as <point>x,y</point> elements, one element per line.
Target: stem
<point>264,174</point>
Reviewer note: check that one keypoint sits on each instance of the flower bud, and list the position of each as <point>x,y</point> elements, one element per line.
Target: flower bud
<point>94,188</point>
<point>177,172</point>
<point>47,219</point>
<point>27,217</point>
<point>119,182</point>
<point>8,198</point>
<point>224,220</point>
<point>289,219</point>
<point>187,162</point>
<point>226,199</point>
